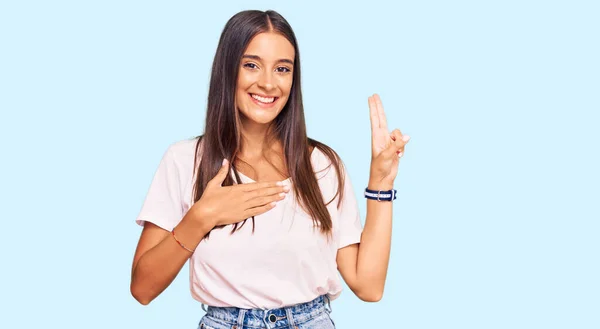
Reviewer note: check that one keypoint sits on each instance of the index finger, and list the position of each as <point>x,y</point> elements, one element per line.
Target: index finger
<point>380,112</point>
<point>259,185</point>
<point>373,114</point>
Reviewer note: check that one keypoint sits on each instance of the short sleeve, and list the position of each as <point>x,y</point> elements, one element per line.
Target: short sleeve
<point>163,203</point>
<point>349,216</point>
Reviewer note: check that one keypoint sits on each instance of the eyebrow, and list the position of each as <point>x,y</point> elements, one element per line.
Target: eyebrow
<point>283,60</point>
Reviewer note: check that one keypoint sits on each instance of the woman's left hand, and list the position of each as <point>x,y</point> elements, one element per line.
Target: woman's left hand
<point>387,148</point>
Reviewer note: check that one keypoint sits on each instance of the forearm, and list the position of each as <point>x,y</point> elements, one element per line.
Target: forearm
<point>159,266</point>
<point>375,243</point>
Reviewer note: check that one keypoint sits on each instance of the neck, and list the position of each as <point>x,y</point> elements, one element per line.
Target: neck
<point>255,136</point>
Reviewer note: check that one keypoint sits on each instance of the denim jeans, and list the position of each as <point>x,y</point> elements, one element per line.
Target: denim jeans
<point>310,315</point>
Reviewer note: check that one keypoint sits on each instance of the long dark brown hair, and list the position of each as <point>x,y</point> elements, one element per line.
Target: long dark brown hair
<point>222,132</point>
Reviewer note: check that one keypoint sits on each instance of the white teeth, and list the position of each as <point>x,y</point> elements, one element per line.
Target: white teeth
<point>263,99</point>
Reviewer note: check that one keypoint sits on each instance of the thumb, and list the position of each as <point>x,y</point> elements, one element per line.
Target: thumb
<point>398,142</point>
<point>390,151</point>
<point>221,174</point>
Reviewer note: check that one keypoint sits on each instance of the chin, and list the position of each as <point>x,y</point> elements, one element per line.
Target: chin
<point>260,119</point>
<point>258,115</point>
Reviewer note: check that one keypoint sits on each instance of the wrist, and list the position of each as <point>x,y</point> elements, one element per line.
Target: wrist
<point>190,231</point>
<point>201,218</point>
<point>195,222</point>
<point>380,185</point>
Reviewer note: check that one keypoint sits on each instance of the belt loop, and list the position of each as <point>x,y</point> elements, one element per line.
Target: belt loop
<point>329,310</point>
<point>204,308</point>
<point>265,312</point>
<point>288,313</point>
<point>240,322</point>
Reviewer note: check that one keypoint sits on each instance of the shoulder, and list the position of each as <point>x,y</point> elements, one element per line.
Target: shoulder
<point>331,173</point>
<point>180,154</point>
<point>182,150</point>
<point>184,147</point>
<point>326,161</point>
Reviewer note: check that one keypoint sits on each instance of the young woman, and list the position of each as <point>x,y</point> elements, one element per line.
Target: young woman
<point>254,163</point>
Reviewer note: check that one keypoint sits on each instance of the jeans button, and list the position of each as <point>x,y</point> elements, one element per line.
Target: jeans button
<point>272,318</point>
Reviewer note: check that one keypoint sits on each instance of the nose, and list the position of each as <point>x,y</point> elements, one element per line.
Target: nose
<point>266,81</point>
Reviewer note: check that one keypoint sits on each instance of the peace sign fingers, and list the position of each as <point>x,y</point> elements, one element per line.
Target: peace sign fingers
<point>378,119</point>
<point>380,112</point>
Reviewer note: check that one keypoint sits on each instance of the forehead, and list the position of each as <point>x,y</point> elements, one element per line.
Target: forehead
<point>270,46</point>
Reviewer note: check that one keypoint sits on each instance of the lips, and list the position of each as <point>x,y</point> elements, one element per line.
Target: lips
<point>262,100</point>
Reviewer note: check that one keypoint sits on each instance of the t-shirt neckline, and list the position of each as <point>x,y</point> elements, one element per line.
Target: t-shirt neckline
<point>285,181</point>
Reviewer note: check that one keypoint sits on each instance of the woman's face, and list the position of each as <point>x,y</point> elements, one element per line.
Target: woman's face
<point>265,78</point>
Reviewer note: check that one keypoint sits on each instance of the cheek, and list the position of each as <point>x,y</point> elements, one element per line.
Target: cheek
<point>241,91</point>
<point>286,86</point>
<point>243,82</point>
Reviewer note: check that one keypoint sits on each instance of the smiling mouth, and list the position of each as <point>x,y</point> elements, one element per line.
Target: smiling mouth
<point>264,100</point>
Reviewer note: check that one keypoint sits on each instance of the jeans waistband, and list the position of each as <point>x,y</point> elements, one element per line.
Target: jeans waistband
<point>280,317</point>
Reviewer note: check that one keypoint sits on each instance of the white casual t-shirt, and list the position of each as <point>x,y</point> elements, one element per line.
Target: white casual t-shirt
<point>286,261</point>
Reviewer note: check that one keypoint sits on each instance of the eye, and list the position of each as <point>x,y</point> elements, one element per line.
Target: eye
<point>250,65</point>
<point>283,69</point>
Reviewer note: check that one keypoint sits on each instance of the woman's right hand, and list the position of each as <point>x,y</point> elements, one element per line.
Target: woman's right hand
<point>223,205</point>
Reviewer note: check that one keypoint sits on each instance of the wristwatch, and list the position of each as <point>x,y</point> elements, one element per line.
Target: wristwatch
<point>380,195</point>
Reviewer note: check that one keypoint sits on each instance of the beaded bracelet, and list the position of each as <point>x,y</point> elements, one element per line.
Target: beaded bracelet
<point>181,244</point>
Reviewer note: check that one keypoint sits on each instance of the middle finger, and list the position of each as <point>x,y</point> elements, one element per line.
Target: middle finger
<point>260,185</point>
<point>266,191</point>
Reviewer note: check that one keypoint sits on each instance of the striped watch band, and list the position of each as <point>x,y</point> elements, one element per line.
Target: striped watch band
<point>380,195</point>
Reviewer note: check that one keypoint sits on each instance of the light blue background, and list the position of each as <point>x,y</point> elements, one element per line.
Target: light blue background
<point>497,221</point>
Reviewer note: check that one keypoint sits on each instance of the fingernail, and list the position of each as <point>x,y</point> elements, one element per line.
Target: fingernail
<point>224,162</point>
<point>279,183</point>
<point>400,154</point>
<point>405,138</point>
<point>286,188</point>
